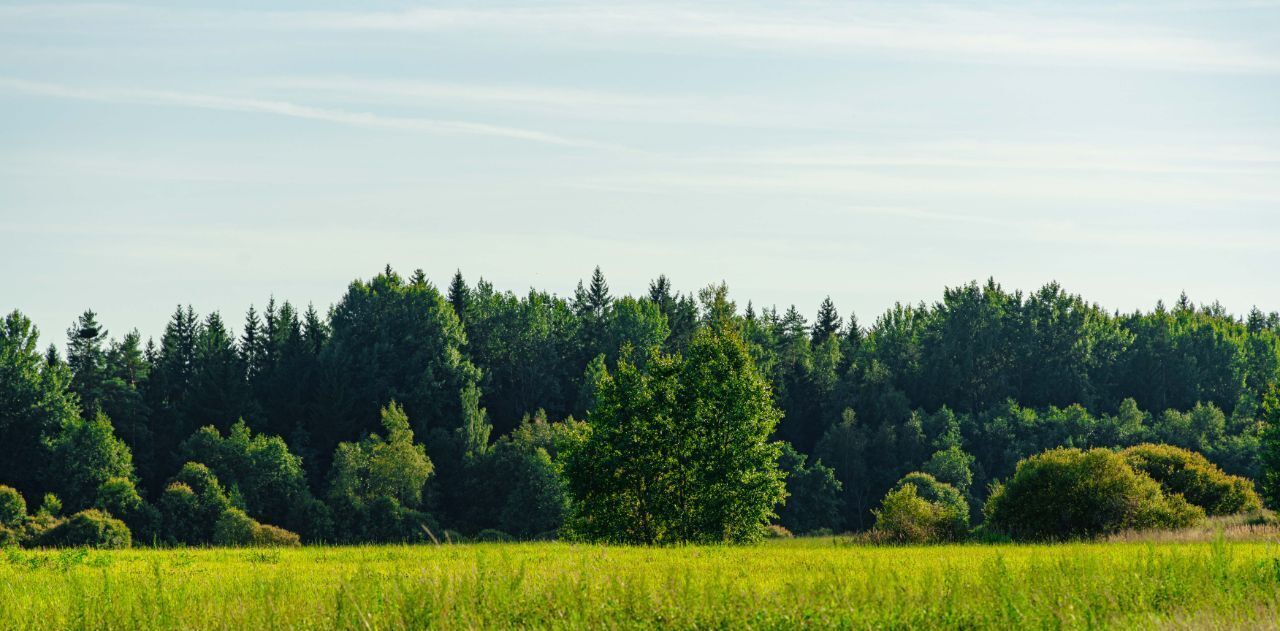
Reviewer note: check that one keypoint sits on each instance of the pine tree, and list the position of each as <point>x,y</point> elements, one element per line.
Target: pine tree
<point>828,322</point>
<point>87,358</point>
<point>459,295</point>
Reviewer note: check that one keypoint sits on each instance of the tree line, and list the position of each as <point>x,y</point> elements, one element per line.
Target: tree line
<point>410,412</point>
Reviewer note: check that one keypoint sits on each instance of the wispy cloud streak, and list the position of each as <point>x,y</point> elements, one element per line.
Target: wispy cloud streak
<point>289,109</point>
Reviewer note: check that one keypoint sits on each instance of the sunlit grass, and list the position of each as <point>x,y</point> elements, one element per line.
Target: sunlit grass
<point>780,584</point>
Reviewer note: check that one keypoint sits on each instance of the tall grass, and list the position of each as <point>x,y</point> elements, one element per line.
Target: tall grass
<point>820,583</point>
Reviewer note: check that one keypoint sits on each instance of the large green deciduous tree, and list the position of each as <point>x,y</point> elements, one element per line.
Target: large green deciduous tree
<point>679,449</point>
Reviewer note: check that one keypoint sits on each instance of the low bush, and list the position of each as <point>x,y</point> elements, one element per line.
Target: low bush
<point>88,528</point>
<point>236,529</point>
<point>920,509</point>
<point>905,517</point>
<point>13,509</point>
<point>493,536</point>
<point>775,531</point>
<point>266,535</point>
<point>1069,494</point>
<point>1199,481</point>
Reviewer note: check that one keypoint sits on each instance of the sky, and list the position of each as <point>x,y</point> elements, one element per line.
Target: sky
<point>220,153</point>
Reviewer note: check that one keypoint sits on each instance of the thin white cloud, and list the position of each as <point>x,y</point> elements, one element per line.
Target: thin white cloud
<point>288,109</point>
<point>1004,34</point>
<point>1027,156</point>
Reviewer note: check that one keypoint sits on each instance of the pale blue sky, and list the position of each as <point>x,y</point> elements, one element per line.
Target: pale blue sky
<point>218,153</point>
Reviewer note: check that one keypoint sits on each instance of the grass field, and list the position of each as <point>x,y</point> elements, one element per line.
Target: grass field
<point>821,583</point>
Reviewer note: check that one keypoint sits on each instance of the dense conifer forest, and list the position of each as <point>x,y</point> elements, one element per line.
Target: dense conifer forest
<point>407,411</point>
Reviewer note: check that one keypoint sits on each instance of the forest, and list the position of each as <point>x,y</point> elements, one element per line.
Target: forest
<point>407,412</point>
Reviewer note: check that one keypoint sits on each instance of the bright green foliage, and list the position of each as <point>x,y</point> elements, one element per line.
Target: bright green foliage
<point>50,505</point>
<point>84,455</point>
<point>920,509</point>
<point>375,484</point>
<point>813,493</point>
<point>236,529</point>
<point>13,508</point>
<point>905,517</point>
<point>952,466</point>
<point>955,510</point>
<point>192,504</point>
<point>118,497</point>
<point>375,467</point>
<point>1068,493</point>
<point>88,528</point>
<point>1195,478</point>
<point>678,450</point>
<point>782,584</point>
<point>264,473</point>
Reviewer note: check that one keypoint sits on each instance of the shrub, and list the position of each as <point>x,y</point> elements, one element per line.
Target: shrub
<point>235,528</point>
<point>180,514</point>
<point>118,497</point>
<point>494,536</point>
<point>905,517</point>
<point>774,531</point>
<point>50,505</point>
<point>13,509</point>
<point>955,508</point>
<point>272,536</point>
<point>1201,482</point>
<point>89,528</point>
<point>1068,493</point>
<point>9,538</point>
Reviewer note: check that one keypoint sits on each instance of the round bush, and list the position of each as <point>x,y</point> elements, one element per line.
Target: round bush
<point>953,504</point>
<point>89,528</point>
<point>774,531</point>
<point>905,517</point>
<point>1068,493</point>
<point>118,496</point>
<point>1199,481</point>
<point>13,509</point>
<point>234,528</point>
<point>273,536</point>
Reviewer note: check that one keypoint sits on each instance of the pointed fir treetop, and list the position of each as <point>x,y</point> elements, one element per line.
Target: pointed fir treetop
<point>828,322</point>
<point>459,293</point>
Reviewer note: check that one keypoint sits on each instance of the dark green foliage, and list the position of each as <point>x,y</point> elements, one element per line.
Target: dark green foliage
<point>13,508</point>
<point>951,466</point>
<point>1191,475</point>
<point>678,450</point>
<point>1270,456</point>
<point>813,494</point>
<point>192,504</point>
<point>88,528</point>
<point>962,388</point>
<point>84,455</point>
<point>34,402</point>
<point>266,476</point>
<point>376,484</point>
<point>1068,493</point>
<point>392,339</point>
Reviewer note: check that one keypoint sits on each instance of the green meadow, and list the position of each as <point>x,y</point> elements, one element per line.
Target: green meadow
<point>814,583</point>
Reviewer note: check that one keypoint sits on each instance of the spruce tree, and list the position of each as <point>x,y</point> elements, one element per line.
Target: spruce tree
<point>828,322</point>
<point>459,295</point>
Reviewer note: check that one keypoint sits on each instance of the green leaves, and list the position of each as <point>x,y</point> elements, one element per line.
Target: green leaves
<point>678,449</point>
